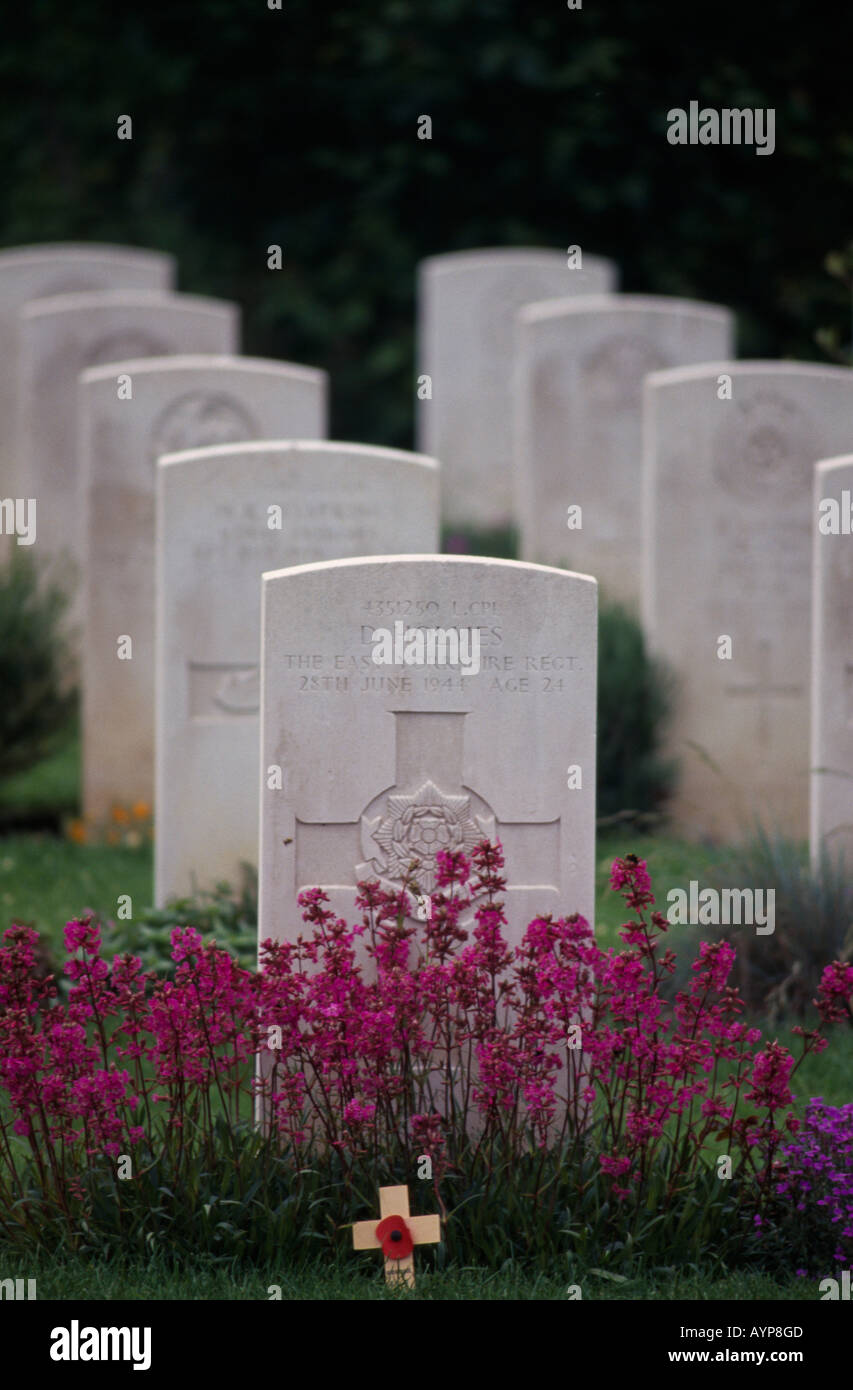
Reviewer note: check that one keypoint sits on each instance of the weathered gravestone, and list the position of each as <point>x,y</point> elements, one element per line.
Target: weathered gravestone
<point>467,303</point>
<point>832,661</point>
<point>578,423</point>
<point>224,516</point>
<point>177,403</point>
<point>62,336</point>
<point>36,272</point>
<point>727,555</point>
<point>382,764</point>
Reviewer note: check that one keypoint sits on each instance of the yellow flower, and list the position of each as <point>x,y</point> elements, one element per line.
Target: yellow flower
<point>120,815</point>
<point>141,810</point>
<point>77,832</point>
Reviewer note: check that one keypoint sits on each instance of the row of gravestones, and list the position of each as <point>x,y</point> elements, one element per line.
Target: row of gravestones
<point>716,516</point>
<point>620,438</point>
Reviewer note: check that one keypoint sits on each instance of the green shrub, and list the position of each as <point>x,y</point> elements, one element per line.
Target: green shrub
<point>36,700</point>
<point>635,695</point>
<point>584,159</point>
<point>780,971</point>
<point>500,543</point>
<point>227,914</point>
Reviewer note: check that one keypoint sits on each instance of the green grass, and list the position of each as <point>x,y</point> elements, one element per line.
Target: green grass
<point>50,789</point>
<point>828,1074</point>
<point>672,864</point>
<point>47,881</point>
<point>79,1278</point>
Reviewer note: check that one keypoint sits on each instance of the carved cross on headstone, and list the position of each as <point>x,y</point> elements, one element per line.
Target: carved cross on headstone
<point>395,1234</point>
<point>428,809</point>
<point>764,689</point>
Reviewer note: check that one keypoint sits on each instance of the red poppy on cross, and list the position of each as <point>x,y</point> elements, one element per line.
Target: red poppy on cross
<point>396,1234</point>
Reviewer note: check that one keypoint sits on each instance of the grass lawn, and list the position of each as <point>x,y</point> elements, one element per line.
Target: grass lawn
<point>62,1278</point>
<point>672,864</point>
<point>46,880</point>
<point>50,790</point>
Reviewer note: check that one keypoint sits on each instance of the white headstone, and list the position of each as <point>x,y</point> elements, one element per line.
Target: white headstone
<point>467,303</point>
<point>36,272</point>
<point>832,661</point>
<point>177,403</point>
<point>216,535</point>
<point>727,555</point>
<point>384,764</point>
<point>580,366</point>
<point>62,336</point>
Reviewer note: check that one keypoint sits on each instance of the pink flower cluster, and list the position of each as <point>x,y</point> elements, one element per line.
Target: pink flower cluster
<point>835,995</point>
<point>54,1066</point>
<point>394,1038</point>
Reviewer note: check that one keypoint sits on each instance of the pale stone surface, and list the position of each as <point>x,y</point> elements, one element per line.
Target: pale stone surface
<point>177,403</point>
<point>728,552</point>
<point>36,272</point>
<point>832,661</point>
<point>213,545</point>
<point>467,302</point>
<point>578,424</point>
<point>62,336</point>
<point>385,764</point>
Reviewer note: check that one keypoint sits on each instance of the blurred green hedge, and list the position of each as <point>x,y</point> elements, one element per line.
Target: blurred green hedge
<point>298,127</point>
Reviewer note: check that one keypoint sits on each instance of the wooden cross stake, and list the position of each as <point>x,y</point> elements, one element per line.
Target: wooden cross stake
<point>396,1227</point>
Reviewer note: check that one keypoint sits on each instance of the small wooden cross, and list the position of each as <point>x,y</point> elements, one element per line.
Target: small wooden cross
<point>396,1227</point>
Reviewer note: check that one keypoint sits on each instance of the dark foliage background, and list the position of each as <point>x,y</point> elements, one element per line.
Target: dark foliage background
<point>254,126</point>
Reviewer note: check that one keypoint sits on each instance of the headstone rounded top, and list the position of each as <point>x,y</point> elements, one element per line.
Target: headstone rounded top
<point>299,449</point>
<point>102,300</point>
<point>227,514</point>
<point>494,257</point>
<point>616,304</point>
<point>839,462</point>
<point>758,368</point>
<point>729,468</point>
<point>206,362</point>
<point>474,562</point>
<point>82,251</point>
<point>389,755</point>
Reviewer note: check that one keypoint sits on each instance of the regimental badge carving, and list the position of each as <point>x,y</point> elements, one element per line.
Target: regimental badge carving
<point>239,692</point>
<point>228,689</point>
<point>415,826</point>
<point>763,448</point>
<point>613,373</point>
<point>124,347</point>
<point>200,419</point>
